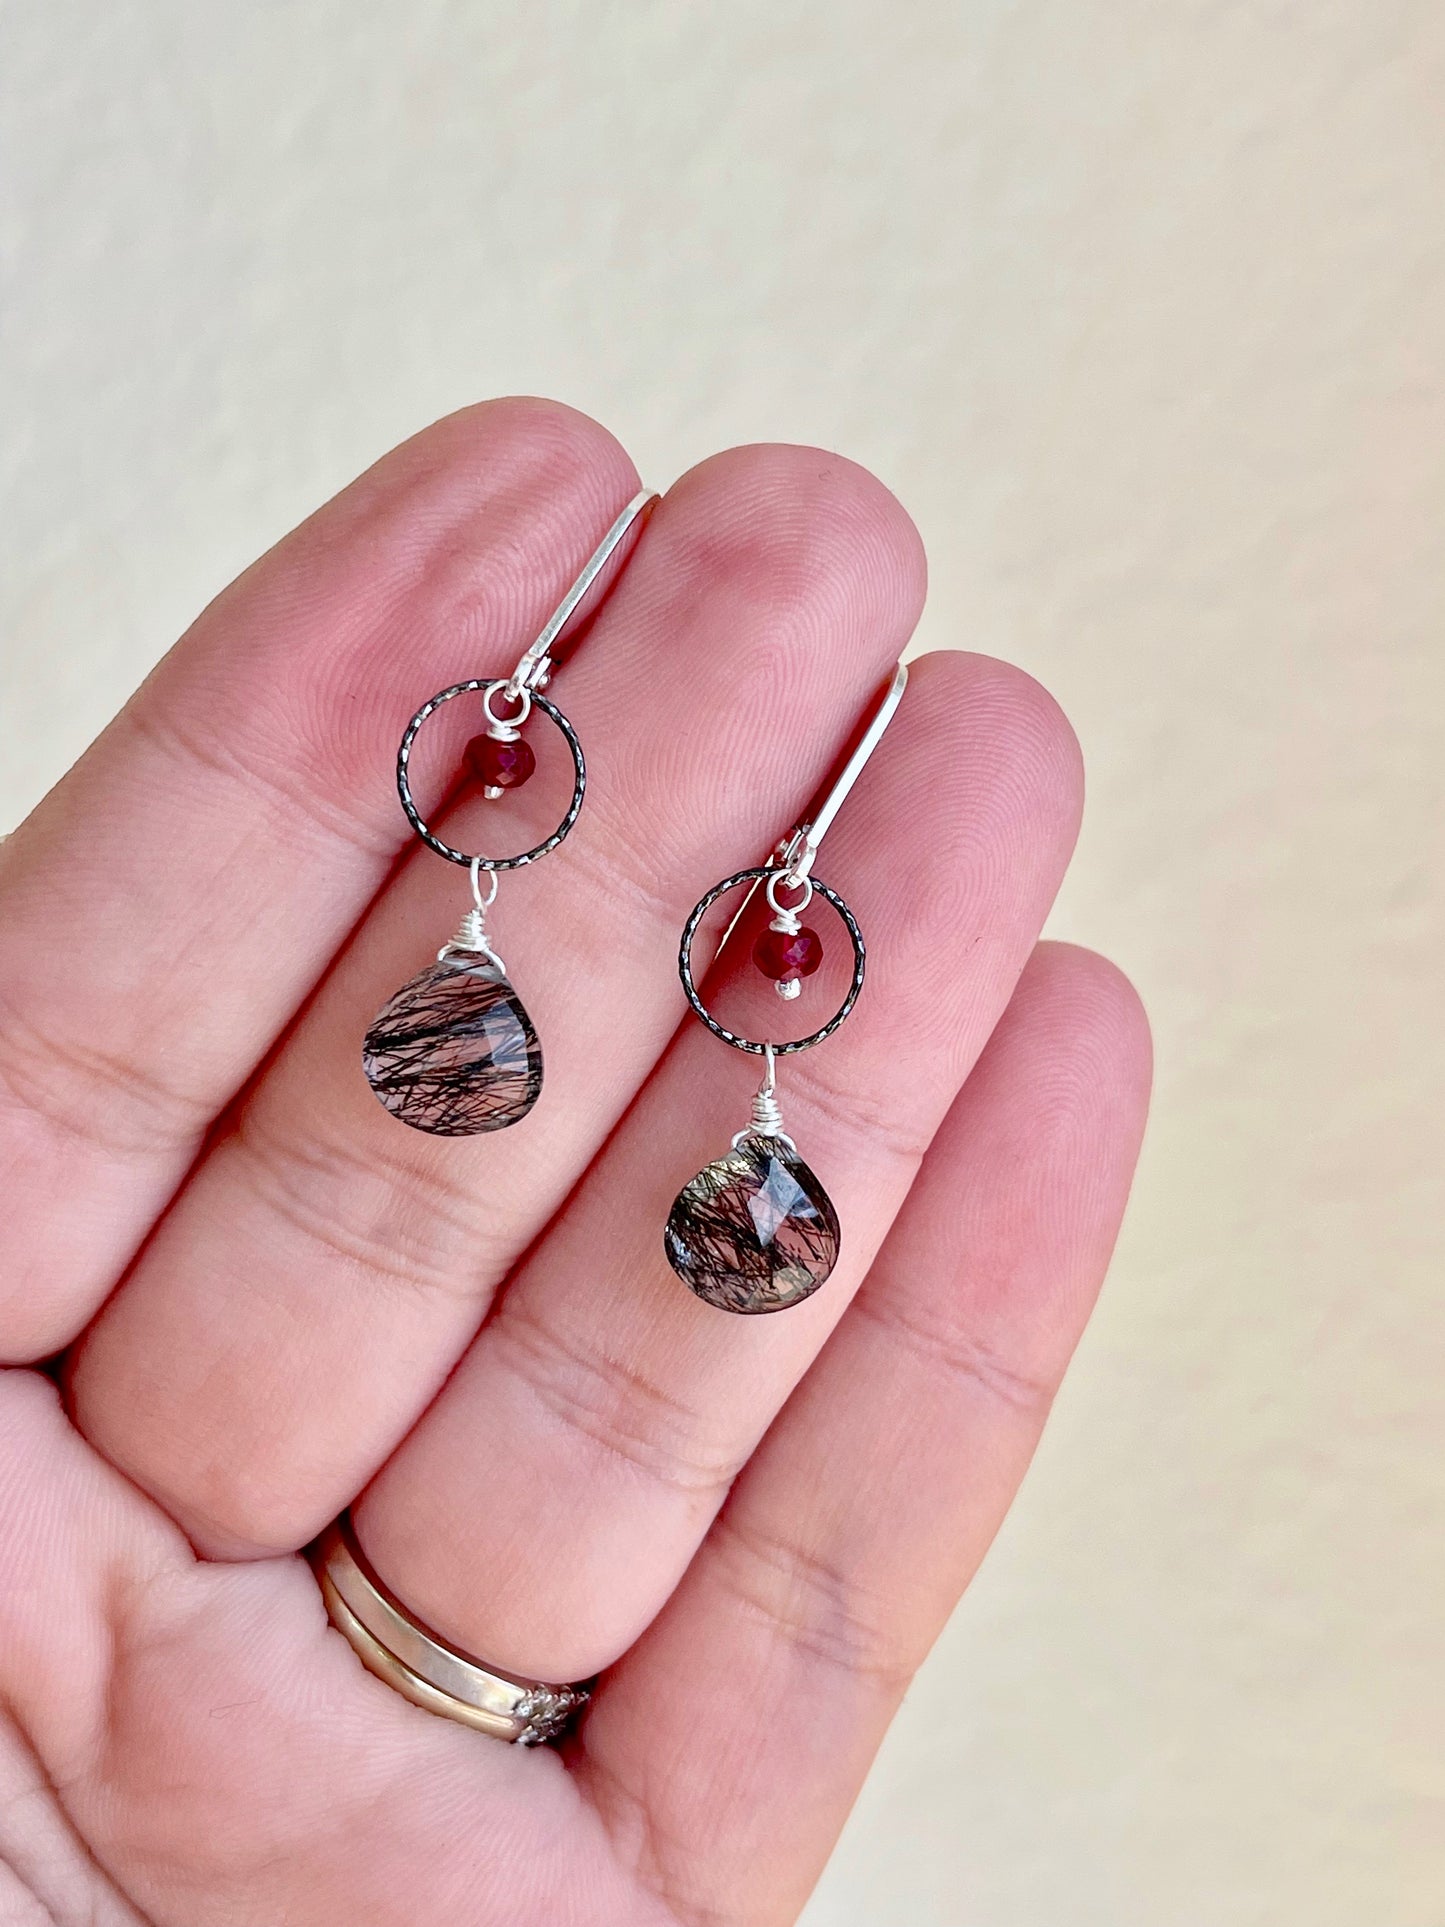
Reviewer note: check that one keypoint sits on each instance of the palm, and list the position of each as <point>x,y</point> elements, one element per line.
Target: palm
<point>269,1299</point>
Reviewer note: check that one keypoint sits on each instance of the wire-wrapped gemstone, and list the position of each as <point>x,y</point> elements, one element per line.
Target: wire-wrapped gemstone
<point>454,1051</point>
<point>754,1231</point>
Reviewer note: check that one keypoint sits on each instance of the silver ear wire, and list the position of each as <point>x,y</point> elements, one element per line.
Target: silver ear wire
<point>798,851</point>
<point>535,667</point>
<point>794,854</point>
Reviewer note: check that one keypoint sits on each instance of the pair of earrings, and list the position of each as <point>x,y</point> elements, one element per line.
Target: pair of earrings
<point>455,1053</point>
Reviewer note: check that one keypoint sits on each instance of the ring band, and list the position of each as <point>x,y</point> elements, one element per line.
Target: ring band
<point>424,1668</point>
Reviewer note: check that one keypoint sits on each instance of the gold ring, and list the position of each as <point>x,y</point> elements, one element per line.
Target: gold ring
<point>424,1668</point>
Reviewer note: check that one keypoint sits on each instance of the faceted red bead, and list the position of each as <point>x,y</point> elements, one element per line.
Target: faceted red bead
<point>783,957</point>
<point>501,766</point>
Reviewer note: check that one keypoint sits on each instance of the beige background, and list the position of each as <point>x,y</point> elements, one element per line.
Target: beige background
<point>1139,305</point>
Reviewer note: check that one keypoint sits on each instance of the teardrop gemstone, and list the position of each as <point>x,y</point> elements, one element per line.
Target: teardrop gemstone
<point>454,1052</point>
<point>754,1231</point>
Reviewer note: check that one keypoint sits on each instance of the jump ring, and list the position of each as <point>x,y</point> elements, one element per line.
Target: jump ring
<point>805,884</point>
<point>484,902</point>
<point>523,697</point>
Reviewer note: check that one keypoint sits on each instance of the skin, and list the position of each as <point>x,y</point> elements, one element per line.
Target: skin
<point>236,1296</point>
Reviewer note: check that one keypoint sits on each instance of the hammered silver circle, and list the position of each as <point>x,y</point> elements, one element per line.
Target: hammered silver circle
<point>684,965</point>
<point>419,823</point>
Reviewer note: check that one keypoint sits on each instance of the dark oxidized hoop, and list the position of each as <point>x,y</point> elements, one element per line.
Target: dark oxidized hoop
<point>684,965</point>
<point>418,821</point>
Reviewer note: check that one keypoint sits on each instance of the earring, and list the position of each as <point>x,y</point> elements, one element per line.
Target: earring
<point>755,1231</point>
<point>454,1051</point>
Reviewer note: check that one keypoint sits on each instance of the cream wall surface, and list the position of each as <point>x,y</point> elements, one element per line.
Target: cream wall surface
<point>1140,309</point>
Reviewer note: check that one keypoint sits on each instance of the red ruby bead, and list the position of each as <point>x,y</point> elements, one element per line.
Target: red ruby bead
<point>501,766</point>
<point>783,957</point>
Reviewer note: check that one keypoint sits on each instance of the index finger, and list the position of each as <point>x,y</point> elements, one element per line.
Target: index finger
<point>212,849</point>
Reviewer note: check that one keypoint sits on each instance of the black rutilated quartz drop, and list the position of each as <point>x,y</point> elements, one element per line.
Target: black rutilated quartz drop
<point>754,1231</point>
<point>454,1052</point>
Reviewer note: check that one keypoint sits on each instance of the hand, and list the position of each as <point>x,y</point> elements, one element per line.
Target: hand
<point>267,1297</point>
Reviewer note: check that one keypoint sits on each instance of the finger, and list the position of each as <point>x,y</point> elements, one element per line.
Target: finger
<point>545,1507</point>
<point>220,1753</point>
<point>167,907</point>
<point>727,1748</point>
<point>323,1270</point>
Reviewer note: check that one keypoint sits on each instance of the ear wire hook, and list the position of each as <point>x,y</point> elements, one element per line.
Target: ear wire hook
<point>537,663</point>
<point>795,853</point>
